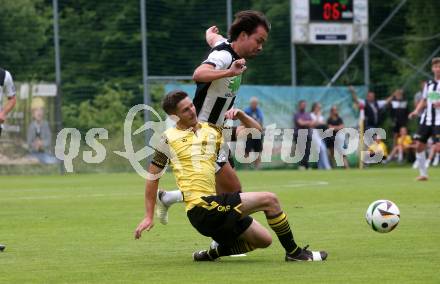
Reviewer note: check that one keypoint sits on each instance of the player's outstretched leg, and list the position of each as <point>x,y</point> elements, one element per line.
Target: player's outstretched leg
<point>277,220</point>
<point>164,200</point>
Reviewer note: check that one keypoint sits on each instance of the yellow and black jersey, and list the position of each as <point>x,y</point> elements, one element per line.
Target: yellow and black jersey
<point>192,156</point>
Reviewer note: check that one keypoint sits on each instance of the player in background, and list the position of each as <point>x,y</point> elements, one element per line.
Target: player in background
<point>7,87</point>
<point>218,79</point>
<point>429,124</point>
<point>191,149</point>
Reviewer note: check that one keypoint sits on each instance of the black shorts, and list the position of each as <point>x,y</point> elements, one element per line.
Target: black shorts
<point>426,131</point>
<point>254,145</point>
<point>220,218</point>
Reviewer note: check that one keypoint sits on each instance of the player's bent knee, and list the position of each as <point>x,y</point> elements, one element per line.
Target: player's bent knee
<point>271,199</point>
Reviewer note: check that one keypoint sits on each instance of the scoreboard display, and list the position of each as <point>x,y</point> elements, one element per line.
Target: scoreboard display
<point>335,11</point>
<point>329,21</point>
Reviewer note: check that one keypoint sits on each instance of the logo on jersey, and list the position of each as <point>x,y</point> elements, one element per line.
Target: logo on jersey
<point>434,96</point>
<point>234,85</point>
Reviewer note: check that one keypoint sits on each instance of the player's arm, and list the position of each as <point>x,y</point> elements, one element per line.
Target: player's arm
<point>155,171</point>
<point>150,201</point>
<point>246,120</point>
<point>420,106</point>
<point>212,36</point>
<point>206,72</point>
<point>354,95</point>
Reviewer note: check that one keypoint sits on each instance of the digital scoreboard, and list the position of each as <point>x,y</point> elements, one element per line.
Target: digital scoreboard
<point>329,21</point>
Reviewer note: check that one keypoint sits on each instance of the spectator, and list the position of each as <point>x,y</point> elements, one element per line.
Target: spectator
<point>374,109</point>
<point>378,148</point>
<point>319,123</point>
<point>254,145</point>
<point>399,113</point>
<point>303,120</point>
<point>403,147</point>
<point>39,136</point>
<point>7,86</point>
<point>336,123</point>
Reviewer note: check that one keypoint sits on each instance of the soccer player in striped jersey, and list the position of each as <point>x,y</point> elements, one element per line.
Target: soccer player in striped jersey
<point>191,149</point>
<point>7,86</point>
<point>218,79</point>
<point>429,124</point>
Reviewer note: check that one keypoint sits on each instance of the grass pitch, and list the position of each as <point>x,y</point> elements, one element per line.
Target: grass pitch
<point>79,229</point>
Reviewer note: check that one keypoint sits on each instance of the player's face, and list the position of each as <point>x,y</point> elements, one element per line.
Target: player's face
<point>253,43</point>
<point>186,112</point>
<point>436,71</point>
<point>370,96</point>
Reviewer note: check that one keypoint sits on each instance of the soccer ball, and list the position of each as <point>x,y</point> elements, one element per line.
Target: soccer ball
<point>383,216</point>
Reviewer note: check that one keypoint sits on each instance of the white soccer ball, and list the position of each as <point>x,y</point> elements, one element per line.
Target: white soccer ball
<point>383,216</point>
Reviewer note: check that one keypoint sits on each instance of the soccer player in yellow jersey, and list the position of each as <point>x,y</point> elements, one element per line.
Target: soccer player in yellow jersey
<point>191,148</point>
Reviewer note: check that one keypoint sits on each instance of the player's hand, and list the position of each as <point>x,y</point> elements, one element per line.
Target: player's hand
<point>212,30</point>
<point>436,104</point>
<point>146,224</point>
<point>2,117</point>
<point>238,67</point>
<point>233,113</point>
<point>412,114</point>
<point>351,89</point>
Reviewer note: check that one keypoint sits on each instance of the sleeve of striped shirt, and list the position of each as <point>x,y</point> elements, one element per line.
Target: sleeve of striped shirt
<point>9,85</point>
<point>425,91</point>
<point>220,59</point>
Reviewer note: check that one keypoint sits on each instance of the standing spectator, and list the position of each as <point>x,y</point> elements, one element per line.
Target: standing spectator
<point>336,123</point>
<point>39,136</point>
<point>429,125</point>
<point>319,123</point>
<point>303,120</point>
<point>374,109</point>
<point>6,86</point>
<point>399,113</point>
<point>254,145</point>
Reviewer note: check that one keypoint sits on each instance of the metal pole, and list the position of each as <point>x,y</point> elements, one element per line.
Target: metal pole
<point>367,66</point>
<point>418,71</point>
<point>292,50</point>
<point>56,42</point>
<point>229,13</point>
<point>293,63</point>
<point>144,61</point>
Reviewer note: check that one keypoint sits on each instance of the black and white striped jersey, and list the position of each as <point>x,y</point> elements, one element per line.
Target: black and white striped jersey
<point>431,114</point>
<point>213,99</point>
<point>6,84</point>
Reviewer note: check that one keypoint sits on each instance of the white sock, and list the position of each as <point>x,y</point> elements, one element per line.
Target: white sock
<point>170,197</point>
<point>400,156</point>
<point>421,157</point>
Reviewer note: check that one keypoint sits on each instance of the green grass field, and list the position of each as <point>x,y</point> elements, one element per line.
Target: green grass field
<point>79,229</point>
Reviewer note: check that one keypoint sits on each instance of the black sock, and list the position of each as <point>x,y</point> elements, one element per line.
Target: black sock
<point>239,247</point>
<point>280,226</point>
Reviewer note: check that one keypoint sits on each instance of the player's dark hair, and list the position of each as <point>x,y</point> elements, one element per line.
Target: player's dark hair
<point>170,101</point>
<point>435,60</point>
<point>247,21</point>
